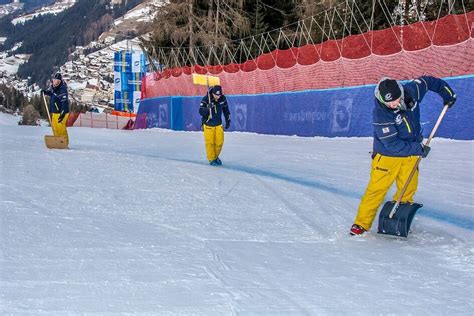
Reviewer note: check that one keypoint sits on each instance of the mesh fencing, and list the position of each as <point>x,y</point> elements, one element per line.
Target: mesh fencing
<point>441,48</point>
<point>326,89</point>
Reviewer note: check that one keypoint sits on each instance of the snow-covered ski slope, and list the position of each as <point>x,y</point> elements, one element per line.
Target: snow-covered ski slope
<point>138,222</point>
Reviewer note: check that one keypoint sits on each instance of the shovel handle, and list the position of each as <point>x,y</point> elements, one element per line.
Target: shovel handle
<point>412,173</point>
<point>438,122</point>
<point>47,110</point>
<point>208,99</point>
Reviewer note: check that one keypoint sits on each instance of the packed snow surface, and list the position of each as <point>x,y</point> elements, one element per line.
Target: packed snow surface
<point>138,222</point>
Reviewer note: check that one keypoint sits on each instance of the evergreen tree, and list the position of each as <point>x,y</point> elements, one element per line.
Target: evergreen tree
<point>191,23</point>
<point>257,18</point>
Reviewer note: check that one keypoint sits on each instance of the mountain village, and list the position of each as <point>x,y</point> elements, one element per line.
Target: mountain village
<point>89,75</point>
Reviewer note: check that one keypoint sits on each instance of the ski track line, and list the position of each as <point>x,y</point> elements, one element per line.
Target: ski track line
<point>230,296</point>
<point>217,258</point>
<point>296,302</point>
<point>459,221</point>
<point>293,210</point>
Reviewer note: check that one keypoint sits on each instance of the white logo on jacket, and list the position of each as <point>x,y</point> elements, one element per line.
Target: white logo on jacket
<point>398,119</point>
<point>385,130</point>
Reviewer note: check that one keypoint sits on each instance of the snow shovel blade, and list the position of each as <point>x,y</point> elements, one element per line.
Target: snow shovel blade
<point>399,224</point>
<point>55,142</point>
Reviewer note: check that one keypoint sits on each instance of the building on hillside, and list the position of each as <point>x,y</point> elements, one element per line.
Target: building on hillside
<point>87,95</point>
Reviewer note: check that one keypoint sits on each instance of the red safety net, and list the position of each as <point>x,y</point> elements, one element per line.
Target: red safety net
<point>440,48</point>
<point>102,120</point>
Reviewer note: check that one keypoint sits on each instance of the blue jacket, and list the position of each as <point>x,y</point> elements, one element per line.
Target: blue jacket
<point>398,133</point>
<point>58,101</point>
<point>212,110</point>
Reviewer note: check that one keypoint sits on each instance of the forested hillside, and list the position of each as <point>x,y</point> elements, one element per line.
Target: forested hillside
<point>30,4</point>
<point>35,4</point>
<point>12,100</point>
<point>51,38</point>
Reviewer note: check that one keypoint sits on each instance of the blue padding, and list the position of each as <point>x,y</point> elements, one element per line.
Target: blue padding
<point>342,112</point>
<point>177,114</point>
<point>157,112</point>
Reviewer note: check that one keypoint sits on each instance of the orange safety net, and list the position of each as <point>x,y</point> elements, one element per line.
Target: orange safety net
<point>440,48</point>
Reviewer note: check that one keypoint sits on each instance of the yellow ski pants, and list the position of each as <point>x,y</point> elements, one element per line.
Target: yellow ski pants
<point>59,129</point>
<point>386,170</point>
<point>214,138</point>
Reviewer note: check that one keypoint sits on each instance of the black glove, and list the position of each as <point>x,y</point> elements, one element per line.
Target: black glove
<point>43,91</point>
<point>448,95</point>
<point>451,103</point>
<point>425,150</point>
<point>60,119</point>
<point>227,123</point>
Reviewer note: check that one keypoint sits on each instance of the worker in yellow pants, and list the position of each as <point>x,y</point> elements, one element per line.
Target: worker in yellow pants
<point>58,105</point>
<point>398,142</point>
<point>214,139</point>
<point>59,128</point>
<point>386,170</point>
<point>213,106</point>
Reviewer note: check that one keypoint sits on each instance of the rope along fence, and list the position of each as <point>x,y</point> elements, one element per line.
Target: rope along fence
<point>440,48</point>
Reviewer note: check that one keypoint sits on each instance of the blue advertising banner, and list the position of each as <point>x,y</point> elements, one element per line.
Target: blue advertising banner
<point>343,112</point>
<point>129,62</point>
<point>129,68</point>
